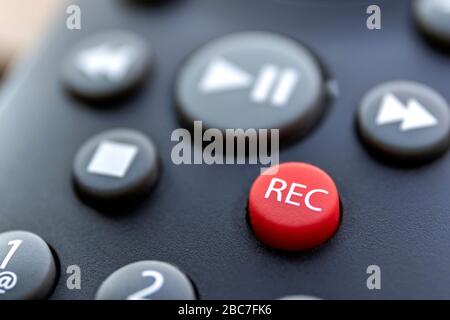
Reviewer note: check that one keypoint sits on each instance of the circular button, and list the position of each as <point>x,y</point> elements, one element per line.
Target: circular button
<point>147,280</point>
<point>404,121</point>
<point>294,206</point>
<point>116,164</point>
<point>27,266</point>
<point>252,80</point>
<point>106,65</point>
<point>433,17</point>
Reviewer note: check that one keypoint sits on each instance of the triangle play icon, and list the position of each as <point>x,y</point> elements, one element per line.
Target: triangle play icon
<point>222,75</point>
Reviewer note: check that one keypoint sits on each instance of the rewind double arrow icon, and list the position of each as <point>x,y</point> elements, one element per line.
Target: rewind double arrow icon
<point>411,116</point>
<point>272,82</point>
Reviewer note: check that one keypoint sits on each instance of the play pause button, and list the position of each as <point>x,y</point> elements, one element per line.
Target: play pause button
<point>252,80</point>
<point>222,76</point>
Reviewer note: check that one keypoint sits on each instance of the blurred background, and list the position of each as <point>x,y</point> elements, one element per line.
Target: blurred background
<point>21,23</point>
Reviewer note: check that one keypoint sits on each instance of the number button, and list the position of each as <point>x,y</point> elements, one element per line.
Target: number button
<point>147,280</point>
<point>27,266</point>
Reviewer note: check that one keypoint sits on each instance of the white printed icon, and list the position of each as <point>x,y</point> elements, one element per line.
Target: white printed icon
<point>8,279</point>
<point>277,186</point>
<point>110,62</point>
<point>221,75</point>
<point>271,83</point>
<point>144,294</point>
<point>112,159</point>
<point>412,116</point>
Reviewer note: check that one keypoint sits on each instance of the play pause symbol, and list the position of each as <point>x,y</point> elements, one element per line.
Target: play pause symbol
<point>272,84</point>
<point>275,84</point>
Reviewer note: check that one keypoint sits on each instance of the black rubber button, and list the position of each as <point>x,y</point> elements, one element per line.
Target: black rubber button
<point>433,17</point>
<point>252,80</point>
<point>405,121</point>
<point>147,280</point>
<point>106,65</point>
<point>115,165</point>
<point>27,266</point>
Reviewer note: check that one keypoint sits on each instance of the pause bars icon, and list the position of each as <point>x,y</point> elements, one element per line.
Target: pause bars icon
<point>282,82</point>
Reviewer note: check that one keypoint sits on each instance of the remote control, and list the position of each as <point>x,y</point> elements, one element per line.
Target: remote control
<point>116,183</point>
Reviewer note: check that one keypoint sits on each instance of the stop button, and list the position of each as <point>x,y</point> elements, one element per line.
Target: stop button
<point>294,206</point>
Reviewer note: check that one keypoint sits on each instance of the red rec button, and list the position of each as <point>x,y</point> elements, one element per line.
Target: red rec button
<point>294,206</point>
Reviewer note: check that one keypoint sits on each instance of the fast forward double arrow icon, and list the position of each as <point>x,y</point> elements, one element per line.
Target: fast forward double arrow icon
<point>411,116</point>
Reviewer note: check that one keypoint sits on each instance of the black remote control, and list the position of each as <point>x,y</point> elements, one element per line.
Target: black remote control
<point>116,183</point>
